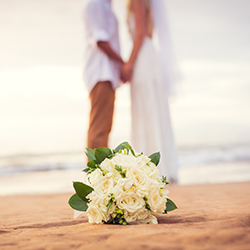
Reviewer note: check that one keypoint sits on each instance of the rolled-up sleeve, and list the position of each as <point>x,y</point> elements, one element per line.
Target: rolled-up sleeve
<point>97,22</point>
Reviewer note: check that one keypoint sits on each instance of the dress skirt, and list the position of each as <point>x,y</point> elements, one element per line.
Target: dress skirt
<point>151,124</point>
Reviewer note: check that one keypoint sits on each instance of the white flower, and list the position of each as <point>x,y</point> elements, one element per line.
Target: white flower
<point>95,214</point>
<point>95,176</point>
<point>142,191</point>
<point>153,220</point>
<point>117,190</point>
<point>146,169</point>
<point>140,178</point>
<point>103,205</point>
<point>108,167</point>
<point>156,202</point>
<point>163,192</point>
<point>104,186</point>
<point>154,172</point>
<point>125,182</point>
<point>101,202</point>
<point>125,161</point>
<point>122,185</point>
<point>94,197</point>
<point>142,214</point>
<point>130,201</point>
<point>144,159</point>
<point>130,217</point>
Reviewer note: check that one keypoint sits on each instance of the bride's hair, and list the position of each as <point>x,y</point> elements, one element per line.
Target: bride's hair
<point>149,18</point>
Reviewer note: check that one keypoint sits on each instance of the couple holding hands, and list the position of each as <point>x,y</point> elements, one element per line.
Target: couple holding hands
<point>151,75</point>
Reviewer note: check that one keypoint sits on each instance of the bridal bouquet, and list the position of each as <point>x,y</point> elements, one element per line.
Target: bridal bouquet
<point>124,187</point>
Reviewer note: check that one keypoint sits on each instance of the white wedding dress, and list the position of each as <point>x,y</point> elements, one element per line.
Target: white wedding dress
<point>151,125</point>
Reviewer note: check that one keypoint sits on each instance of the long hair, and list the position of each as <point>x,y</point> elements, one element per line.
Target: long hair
<point>149,18</point>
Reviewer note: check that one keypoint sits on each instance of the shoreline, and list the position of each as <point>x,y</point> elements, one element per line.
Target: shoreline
<point>60,181</point>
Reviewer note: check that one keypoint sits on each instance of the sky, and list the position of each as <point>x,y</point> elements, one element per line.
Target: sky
<point>43,100</point>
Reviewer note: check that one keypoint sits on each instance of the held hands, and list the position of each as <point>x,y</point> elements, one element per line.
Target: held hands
<point>126,72</point>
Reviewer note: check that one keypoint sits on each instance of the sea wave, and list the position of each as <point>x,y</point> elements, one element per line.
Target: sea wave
<point>196,156</point>
<point>187,157</point>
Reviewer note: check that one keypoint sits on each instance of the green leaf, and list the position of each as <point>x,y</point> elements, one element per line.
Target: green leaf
<point>155,158</point>
<point>109,204</point>
<point>170,206</point>
<point>124,145</point>
<point>101,154</point>
<point>91,164</point>
<point>164,180</point>
<point>91,154</point>
<point>147,206</point>
<point>120,146</point>
<point>112,197</point>
<point>77,203</point>
<point>119,169</point>
<point>82,190</point>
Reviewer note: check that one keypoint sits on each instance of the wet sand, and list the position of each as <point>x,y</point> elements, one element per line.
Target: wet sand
<point>213,216</point>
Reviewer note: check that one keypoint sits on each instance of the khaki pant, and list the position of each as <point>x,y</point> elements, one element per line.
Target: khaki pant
<point>102,99</point>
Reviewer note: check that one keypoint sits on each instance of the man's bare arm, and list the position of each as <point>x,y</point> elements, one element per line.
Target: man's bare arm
<point>106,48</point>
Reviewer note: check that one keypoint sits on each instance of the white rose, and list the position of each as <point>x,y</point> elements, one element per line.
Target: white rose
<point>104,186</point>
<point>117,190</point>
<point>156,202</point>
<point>93,196</point>
<point>95,214</point>
<point>130,217</point>
<point>142,214</point>
<point>144,159</point>
<point>125,161</point>
<point>106,165</point>
<point>146,169</point>
<point>103,205</point>
<point>95,176</point>
<point>153,220</point>
<point>126,183</point>
<point>140,178</point>
<point>123,184</point>
<point>129,201</point>
<point>163,192</point>
<point>155,174</point>
<point>153,171</point>
<point>142,191</point>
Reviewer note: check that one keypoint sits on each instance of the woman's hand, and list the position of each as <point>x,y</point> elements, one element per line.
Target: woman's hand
<point>126,72</point>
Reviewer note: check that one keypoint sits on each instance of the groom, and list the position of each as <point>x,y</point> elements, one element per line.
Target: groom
<point>102,69</point>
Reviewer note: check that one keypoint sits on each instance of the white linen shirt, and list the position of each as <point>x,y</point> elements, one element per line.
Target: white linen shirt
<point>101,25</point>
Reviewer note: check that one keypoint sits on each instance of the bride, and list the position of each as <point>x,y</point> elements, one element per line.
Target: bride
<point>151,79</point>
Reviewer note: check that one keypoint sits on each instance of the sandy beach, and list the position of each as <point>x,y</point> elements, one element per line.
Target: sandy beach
<point>213,216</point>
<point>44,120</point>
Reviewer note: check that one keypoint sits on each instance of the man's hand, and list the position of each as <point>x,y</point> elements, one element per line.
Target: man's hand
<point>126,72</point>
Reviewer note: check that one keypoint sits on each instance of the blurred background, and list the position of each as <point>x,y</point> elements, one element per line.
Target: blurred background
<point>44,104</point>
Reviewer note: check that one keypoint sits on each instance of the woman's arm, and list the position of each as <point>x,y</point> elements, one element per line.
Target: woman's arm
<point>140,32</point>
